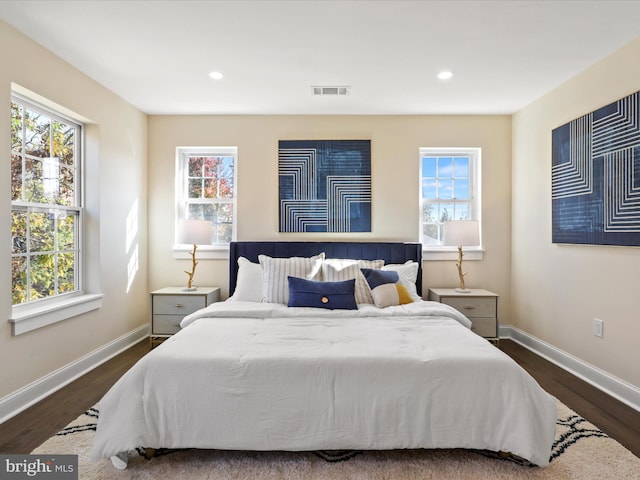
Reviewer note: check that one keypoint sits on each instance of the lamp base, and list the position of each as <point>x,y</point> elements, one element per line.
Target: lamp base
<point>463,290</point>
<point>189,289</point>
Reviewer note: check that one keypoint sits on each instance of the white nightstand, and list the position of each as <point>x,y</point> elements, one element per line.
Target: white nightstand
<point>479,306</point>
<point>171,304</point>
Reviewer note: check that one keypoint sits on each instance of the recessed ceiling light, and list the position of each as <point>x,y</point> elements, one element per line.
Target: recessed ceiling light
<point>216,75</point>
<point>445,75</point>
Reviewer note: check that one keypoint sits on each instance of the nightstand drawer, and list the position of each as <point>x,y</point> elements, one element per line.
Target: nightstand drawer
<point>166,324</point>
<point>473,306</point>
<point>479,305</point>
<point>485,327</point>
<point>170,305</point>
<point>177,304</point>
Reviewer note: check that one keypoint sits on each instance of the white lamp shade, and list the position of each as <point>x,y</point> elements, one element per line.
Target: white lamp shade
<point>461,233</point>
<point>194,232</point>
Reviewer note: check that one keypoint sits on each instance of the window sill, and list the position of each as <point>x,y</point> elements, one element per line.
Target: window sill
<point>26,318</point>
<point>204,252</point>
<point>471,254</point>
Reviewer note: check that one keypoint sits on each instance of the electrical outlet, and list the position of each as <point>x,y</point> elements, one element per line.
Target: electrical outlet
<point>597,327</point>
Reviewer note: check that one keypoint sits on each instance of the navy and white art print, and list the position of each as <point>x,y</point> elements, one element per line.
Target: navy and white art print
<point>324,185</point>
<point>595,184</point>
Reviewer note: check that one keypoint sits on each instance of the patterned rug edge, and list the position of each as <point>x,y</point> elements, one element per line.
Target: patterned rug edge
<point>572,430</point>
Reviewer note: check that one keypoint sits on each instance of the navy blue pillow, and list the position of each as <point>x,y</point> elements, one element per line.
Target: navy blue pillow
<point>376,278</point>
<point>331,295</point>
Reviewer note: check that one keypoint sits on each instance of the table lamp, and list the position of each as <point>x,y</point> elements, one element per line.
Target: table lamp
<point>462,233</point>
<point>196,232</point>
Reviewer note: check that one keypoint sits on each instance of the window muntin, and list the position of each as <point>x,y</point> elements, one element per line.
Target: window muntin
<point>449,190</point>
<point>46,209</point>
<point>207,189</point>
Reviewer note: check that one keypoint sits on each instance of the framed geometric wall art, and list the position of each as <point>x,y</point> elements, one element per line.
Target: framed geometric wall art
<point>324,185</point>
<point>595,180</point>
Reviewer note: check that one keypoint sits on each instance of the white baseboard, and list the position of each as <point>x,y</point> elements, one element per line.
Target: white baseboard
<point>21,399</point>
<point>611,385</point>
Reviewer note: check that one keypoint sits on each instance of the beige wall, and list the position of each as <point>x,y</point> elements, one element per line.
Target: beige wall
<point>557,290</point>
<point>395,141</point>
<point>117,171</point>
<point>550,291</point>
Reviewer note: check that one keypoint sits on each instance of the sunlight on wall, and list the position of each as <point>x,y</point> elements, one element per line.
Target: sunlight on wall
<point>131,243</point>
<point>132,267</point>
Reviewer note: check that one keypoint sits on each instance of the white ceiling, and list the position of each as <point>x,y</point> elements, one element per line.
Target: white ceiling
<point>157,54</point>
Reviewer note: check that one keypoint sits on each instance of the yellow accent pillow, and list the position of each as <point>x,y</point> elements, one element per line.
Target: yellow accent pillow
<point>389,294</point>
<point>403,294</point>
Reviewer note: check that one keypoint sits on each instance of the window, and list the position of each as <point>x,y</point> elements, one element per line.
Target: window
<point>206,189</point>
<point>46,209</point>
<point>449,190</point>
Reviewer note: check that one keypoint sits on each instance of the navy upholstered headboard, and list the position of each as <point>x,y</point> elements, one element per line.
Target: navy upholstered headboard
<point>390,252</point>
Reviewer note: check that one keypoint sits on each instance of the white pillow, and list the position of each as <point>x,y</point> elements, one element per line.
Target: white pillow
<point>248,283</point>
<point>275,285</point>
<point>339,269</point>
<point>408,273</point>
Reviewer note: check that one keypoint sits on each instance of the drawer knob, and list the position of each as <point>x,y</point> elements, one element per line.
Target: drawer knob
<point>469,307</point>
<point>178,305</point>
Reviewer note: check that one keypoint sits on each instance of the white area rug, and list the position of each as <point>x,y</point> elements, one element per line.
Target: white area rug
<point>581,452</point>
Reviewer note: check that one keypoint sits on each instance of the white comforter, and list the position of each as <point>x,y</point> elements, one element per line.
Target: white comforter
<point>250,376</point>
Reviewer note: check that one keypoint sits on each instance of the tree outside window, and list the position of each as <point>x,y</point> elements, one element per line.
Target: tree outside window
<point>45,203</point>
<point>207,186</point>
<point>449,189</point>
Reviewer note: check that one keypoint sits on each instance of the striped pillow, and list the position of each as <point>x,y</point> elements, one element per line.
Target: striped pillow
<point>339,269</point>
<point>275,286</point>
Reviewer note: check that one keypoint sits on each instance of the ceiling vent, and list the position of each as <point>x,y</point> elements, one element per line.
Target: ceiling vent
<point>343,90</point>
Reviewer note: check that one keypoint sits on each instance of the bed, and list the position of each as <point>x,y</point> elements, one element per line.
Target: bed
<point>395,372</point>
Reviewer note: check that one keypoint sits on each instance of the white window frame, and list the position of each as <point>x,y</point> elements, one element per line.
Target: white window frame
<point>215,250</point>
<point>446,252</point>
<point>38,313</point>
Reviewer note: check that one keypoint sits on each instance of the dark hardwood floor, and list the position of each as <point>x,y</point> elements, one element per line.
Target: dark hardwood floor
<point>26,431</point>
<point>613,417</point>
